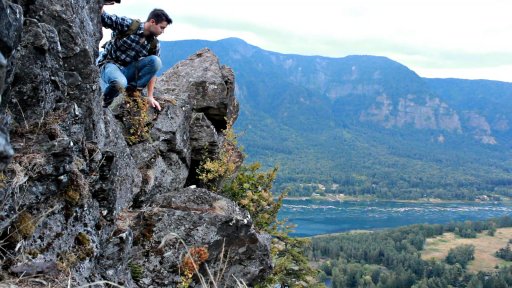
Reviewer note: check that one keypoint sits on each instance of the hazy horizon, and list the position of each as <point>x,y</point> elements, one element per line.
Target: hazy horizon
<point>437,39</point>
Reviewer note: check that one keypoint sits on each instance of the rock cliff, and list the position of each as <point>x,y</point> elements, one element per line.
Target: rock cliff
<point>80,202</point>
<point>434,114</point>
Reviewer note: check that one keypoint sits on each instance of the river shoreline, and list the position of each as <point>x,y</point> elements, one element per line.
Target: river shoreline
<point>341,198</point>
<point>317,216</point>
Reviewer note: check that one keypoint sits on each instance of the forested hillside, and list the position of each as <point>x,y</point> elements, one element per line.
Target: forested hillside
<point>366,125</point>
<point>392,258</point>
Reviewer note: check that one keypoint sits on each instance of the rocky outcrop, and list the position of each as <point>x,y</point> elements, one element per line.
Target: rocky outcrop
<point>158,240</point>
<point>79,202</point>
<point>197,82</point>
<point>433,115</point>
<point>481,129</point>
<point>197,218</point>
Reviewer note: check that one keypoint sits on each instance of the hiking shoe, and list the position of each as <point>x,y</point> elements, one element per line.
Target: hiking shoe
<point>107,101</point>
<point>116,105</point>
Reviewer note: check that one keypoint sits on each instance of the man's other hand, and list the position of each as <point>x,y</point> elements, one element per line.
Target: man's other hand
<point>154,103</point>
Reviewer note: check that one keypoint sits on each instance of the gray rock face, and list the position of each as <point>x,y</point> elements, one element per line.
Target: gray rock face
<point>205,87</point>
<point>195,218</point>
<point>11,19</point>
<point>77,197</point>
<point>6,151</point>
<point>3,72</point>
<point>210,87</point>
<point>432,115</point>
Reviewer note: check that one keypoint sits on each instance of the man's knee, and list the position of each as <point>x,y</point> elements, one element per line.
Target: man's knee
<point>155,62</point>
<point>112,77</point>
<point>119,84</point>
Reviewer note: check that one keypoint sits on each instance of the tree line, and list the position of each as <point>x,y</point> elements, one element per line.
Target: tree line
<point>392,258</point>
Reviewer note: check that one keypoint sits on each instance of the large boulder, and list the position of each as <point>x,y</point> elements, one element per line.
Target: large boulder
<point>184,221</point>
<point>207,89</point>
<point>205,84</point>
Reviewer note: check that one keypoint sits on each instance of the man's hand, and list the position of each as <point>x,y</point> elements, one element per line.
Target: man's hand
<point>154,103</point>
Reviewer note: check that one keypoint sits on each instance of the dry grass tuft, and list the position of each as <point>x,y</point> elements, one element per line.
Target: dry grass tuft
<point>135,117</point>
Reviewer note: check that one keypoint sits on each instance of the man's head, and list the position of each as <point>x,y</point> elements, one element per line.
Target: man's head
<point>158,21</point>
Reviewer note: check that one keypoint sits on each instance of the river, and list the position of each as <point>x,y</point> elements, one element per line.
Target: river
<point>315,217</point>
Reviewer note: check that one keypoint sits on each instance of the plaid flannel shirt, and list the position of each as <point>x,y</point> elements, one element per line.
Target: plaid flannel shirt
<point>126,50</point>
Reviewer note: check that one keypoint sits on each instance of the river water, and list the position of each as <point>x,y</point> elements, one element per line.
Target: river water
<point>315,217</point>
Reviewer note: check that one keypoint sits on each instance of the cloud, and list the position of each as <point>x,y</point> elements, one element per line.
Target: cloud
<point>425,35</point>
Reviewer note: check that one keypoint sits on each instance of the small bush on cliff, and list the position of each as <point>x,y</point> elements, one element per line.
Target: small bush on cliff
<point>214,172</point>
<point>244,184</point>
<point>190,264</point>
<point>291,267</point>
<point>251,189</point>
<point>134,115</point>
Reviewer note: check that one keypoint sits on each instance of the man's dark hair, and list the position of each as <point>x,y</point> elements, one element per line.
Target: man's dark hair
<point>159,16</point>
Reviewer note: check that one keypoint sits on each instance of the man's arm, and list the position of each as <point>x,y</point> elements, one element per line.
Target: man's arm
<point>151,99</point>
<point>114,22</point>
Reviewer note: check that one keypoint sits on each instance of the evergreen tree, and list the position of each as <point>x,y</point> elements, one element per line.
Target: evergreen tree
<point>461,255</point>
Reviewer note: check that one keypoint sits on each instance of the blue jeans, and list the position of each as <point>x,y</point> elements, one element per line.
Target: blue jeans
<point>114,79</point>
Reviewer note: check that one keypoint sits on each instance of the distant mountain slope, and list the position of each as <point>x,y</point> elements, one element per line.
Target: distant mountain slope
<point>366,124</point>
<point>486,105</point>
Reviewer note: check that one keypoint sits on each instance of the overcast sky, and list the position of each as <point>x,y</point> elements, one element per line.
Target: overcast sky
<point>469,39</point>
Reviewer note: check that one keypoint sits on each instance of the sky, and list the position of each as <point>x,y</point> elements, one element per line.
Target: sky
<point>469,39</point>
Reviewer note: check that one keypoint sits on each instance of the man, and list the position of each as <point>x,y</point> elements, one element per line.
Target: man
<point>131,61</point>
